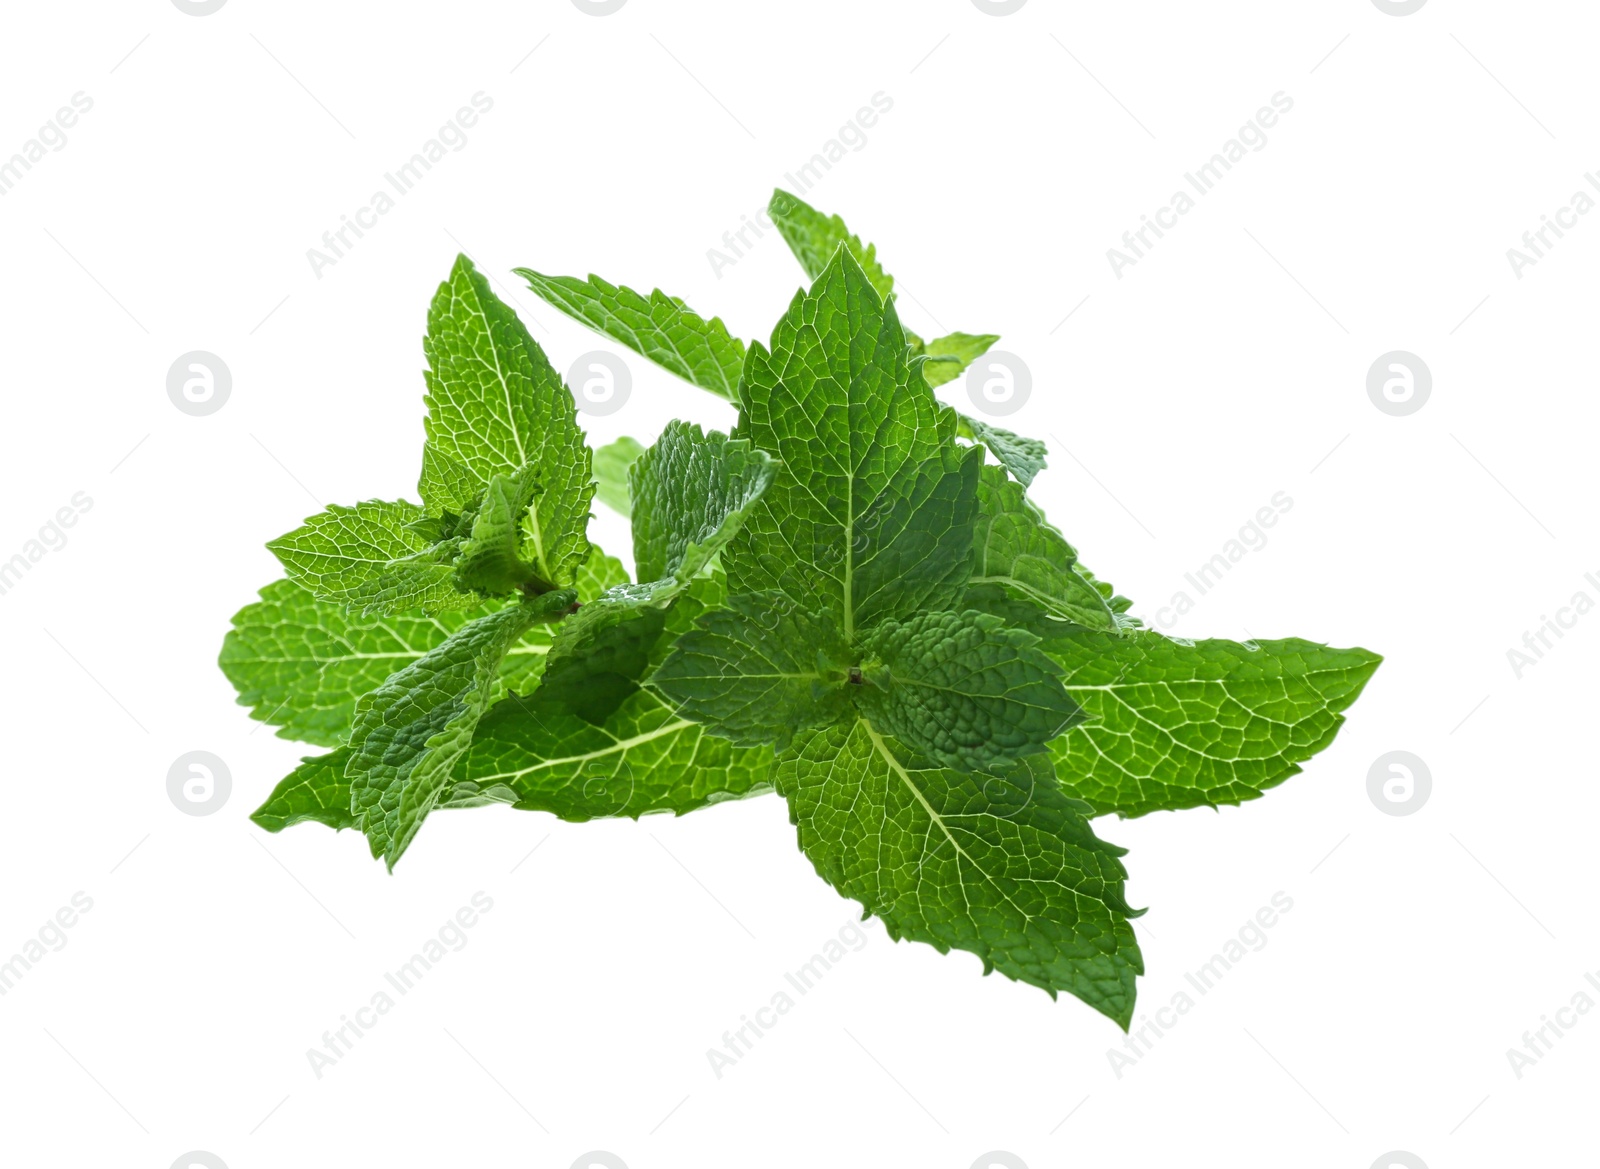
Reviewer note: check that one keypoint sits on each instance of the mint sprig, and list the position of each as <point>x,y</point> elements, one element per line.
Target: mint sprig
<point>843,600</point>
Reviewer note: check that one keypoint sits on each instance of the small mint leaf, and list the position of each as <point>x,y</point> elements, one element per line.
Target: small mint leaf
<point>814,238</point>
<point>315,791</point>
<point>371,558</point>
<point>962,689</point>
<point>409,732</point>
<point>1023,457</point>
<point>659,327</point>
<point>490,561</point>
<point>1015,547</point>
<point>495,405</point>
<point>611,463</point>
<point>948,356</point>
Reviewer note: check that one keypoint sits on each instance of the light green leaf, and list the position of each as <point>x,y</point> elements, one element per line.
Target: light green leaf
<point>814,238</point>
<point>1015,547</point>
<point>1002,865</point>
<point>316,791</point>
<point>948,356</point>
<point>659,327</point>
<point>963,689</point>
<point>758,670</point>
<point>369,557</point>
<point>495,406</point>
<point>1177,725</point>
<point>301,663</point>
<point>1117,603</point>
<point>409,732</point>
<point>491,561</point>
<point>611,463</point>
<point>1023,457</point>
<point>871,513</point>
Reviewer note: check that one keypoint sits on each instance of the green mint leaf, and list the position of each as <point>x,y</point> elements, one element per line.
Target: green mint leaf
<point>962,689</point>
<point>611,463</point>
<point>1001,865</point>
<point>1015,547</point>
<point>871,513</point>
<point>490,560</point>
<point>814,238</point>
<point>948,356</point>
<point>370,557</point>
<point>642,758</point>
<point>659,327</point>
<point>495,406</point>
<point>409,732</point>
<point>691,492</point>
<point>1023,457</point>
<point>1177,725</point>
<point>1117,603</point>
<point>758,670</point>
<point>315,791</point>
<point>301,664</point>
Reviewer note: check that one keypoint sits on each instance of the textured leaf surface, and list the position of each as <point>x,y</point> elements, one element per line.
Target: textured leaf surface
<point>962,689</point>
<point>871,513</point>
<point>758,670</point>
<point>491,557</point>
<point>368,557</point>
<point>494,406</point>
<point>1003,866</point>
<point>611,463</point>
<point>948,356</point>
<point>643,758</point>
<point>1173,725</point>
<point>691,492</point>
<point>409,732</point>
<point>1023,457</point>
<point>1015,547</point>
<point>659,327</point>
<point>814,238</point>
<point>301,664</point>
<point>315,791</point>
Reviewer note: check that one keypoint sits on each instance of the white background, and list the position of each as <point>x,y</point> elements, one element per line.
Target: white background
<point>1224,367</point>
